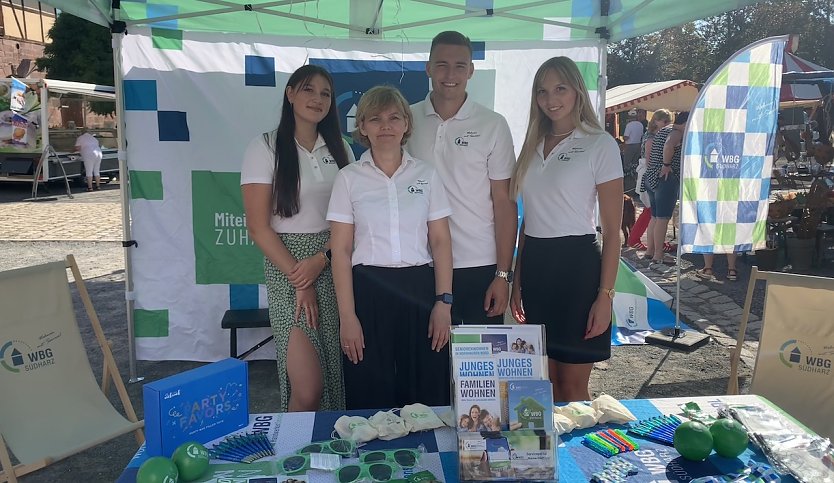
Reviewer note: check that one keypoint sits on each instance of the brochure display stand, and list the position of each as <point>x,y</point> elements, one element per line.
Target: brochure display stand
<point>503,403</point>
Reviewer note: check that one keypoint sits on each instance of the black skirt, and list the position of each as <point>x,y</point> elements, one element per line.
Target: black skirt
<point>559,284</point>
<point>394,305</point>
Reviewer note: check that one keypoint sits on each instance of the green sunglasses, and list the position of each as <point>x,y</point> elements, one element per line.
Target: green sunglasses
<point>341,447</point>
<point>381,471</point>
<point>294,465</point>
<point>407,458</point>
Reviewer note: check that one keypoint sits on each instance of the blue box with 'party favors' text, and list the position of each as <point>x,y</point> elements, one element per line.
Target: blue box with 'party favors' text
<point>200,405</point>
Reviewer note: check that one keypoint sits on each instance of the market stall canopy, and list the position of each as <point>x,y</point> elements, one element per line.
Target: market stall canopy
<point>675,95</point>
<point>801,81</point>
<point>409,20</point>
<point>89,90</point>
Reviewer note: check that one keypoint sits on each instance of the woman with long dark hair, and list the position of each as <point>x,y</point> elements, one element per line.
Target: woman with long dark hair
<point>286,179</point>
<point>567,165</point>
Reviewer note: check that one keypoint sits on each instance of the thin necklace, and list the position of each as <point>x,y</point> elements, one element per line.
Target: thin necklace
<point>556,135</point>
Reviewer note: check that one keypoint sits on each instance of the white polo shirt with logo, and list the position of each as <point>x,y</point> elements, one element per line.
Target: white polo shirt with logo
<point>560,193</point>
<point>469,149</point>
<point>317,170</point>
<point>389,215</point>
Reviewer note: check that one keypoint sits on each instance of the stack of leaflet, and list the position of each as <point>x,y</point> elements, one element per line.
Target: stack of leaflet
<point>503,403</point>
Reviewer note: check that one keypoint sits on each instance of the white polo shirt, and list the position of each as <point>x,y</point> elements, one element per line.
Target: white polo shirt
<point>560,192</point>
<point>469,149</point>
<point>390,215</point>
<point>317,170</point>
<point>633,132</point>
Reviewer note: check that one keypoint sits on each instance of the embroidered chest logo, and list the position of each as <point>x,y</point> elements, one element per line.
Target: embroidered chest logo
<point>464,140</point>
<point>563,157</point>
<point>328,159</point>
<point>416,188</point>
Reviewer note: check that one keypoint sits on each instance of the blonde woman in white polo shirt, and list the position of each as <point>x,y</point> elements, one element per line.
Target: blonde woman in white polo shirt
<point>286,179</point>
<point>567,164</point>
<point>388,216</point>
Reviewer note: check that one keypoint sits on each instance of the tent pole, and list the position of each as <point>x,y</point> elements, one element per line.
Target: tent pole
<point>124,189</point>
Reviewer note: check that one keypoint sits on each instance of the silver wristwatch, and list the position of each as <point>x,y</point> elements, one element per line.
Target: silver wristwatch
<point>507,276</point>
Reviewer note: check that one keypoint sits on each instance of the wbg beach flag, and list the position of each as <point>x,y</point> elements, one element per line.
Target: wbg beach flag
<point>640,307</point>
<point>728,152</point>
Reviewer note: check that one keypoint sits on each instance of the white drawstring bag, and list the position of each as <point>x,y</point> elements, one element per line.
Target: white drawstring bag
<point>388,425</point>
<point>355,428</point>
<point>419,417</point>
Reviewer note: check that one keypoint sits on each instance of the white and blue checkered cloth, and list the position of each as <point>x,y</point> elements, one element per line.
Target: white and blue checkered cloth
<point>728,153</point>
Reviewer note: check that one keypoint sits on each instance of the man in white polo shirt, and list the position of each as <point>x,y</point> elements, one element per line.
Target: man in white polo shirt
<point>472,149</point>
<point>632,136</point>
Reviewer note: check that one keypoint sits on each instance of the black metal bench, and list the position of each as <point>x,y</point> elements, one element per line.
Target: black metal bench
<point>245,319</point>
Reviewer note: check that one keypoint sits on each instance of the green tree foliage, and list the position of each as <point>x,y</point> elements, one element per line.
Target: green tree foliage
<point>80,51</point>
<point>695,50</point>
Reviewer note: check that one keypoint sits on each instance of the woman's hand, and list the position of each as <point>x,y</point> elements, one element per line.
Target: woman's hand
<point>665,171</point>
<point>440,325</point>
<point>306,271</point>
<point>600,317</point>
<point>305,300</point>
<point>516,307</point>
<point>351,338</point>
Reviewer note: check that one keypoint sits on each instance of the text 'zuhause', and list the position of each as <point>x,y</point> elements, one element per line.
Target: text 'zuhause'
<point>477,389</point>
<point>230,229</point>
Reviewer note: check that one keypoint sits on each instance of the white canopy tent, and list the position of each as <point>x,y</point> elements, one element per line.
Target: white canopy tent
<point>675,95</point>
<point>402,21</point>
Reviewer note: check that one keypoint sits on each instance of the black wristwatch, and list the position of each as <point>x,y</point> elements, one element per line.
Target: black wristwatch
<point>446,298</point>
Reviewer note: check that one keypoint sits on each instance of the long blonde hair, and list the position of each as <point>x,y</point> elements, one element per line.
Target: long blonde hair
<point>583,115</point>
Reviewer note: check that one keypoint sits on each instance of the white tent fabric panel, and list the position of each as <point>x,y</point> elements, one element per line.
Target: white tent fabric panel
<point>191,112</point>
<point>89,90</point>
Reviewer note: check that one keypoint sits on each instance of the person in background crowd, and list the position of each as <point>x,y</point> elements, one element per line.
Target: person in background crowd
<point>286,179</point>
<point>662,180</point>
<point>661,118</point>
<point>632,137</point>
<point>708,273</point>
<point>389,219</point>
<point>472,150</point>
<point>89,148</point>
<point>567,165</point>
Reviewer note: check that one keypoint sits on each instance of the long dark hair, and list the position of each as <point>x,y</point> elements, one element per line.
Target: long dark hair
<point>286,181</point>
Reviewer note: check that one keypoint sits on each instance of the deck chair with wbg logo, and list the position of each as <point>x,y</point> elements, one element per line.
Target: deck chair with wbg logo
<point>52,406</point>
<point>796,347</point>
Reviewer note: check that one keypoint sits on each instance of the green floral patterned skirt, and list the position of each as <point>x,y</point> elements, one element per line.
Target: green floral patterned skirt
<point>325,339</point>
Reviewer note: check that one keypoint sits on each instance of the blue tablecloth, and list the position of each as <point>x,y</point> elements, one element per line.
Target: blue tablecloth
<point>655,462</point>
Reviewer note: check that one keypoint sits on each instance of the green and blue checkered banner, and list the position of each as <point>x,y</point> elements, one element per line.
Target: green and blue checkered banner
<point>194,100</point>
<point>728,153</point>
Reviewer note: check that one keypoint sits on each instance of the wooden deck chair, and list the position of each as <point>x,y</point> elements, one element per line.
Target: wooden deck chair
<point>52,406</point>
<point>796,347</point>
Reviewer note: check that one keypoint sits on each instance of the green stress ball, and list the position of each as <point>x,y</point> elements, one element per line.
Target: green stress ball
<point>157,470</point>
<point>192,460</point>
<point>693,441</point>
<point>729,437</point>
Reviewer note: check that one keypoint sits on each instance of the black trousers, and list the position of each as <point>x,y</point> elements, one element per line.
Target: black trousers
<point>469,286</point>
<point>399,367</point>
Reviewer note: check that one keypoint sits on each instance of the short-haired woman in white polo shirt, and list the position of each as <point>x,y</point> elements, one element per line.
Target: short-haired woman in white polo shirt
<point>567,164</point>
<point>388,214</point>
<point>286,179</point>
